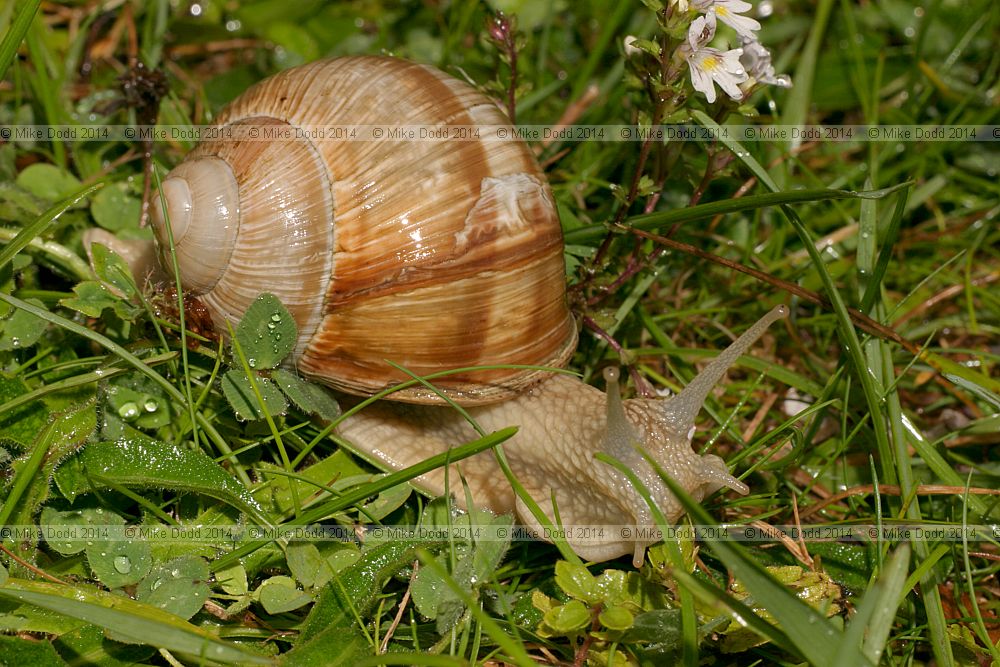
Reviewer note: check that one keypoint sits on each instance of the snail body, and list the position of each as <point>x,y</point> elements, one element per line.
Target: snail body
<point>434,255</point>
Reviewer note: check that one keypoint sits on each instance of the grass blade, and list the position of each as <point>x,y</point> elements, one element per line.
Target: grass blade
<point>18,29</point>
<point>873,621</point>
<point>654,221</point>
<point>25,236</point>
<point>137,621</point>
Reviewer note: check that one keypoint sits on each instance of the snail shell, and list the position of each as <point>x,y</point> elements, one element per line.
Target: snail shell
<point>432,254</point>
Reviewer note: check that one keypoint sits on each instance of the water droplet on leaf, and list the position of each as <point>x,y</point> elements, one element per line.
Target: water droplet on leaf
<point>128,411</point>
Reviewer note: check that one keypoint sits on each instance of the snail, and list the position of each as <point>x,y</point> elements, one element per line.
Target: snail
<point>434,255</point>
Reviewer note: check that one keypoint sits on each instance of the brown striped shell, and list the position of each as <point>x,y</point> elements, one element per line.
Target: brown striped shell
<point>433,255</point>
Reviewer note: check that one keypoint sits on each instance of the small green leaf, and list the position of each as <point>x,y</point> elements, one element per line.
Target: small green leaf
<point>578,582</point>
<point>266,333</point>
<point>241,396</point>
<point>17,204</point>
<point>308,397</point>
<point>659,625</point>
<point>387,502</point>
<point>137,400</point>
<point>542,602</point>
<point>114,208</point>
<point>276,491</point>
<point>489,549</point>
<point>22,329</point>
<point>70,525</point>
<point>306,563</point>
<point>279,594</point>
<point>233,580</point>
<point>568,618</point>
<point>342,558</point>
<point>92,298</point>
<point>22,424</point>
<point>430,593</point>
<point>616,618</point>
<point>118,562</point>
<point>112,269</point>
<point>178,586</point>
<point>47,181</point>
<point>650,47</point>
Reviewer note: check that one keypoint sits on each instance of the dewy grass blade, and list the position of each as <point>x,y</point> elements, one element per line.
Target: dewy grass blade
<point>25,236</point>
<point>141,622</point>
<point>654,221</point>
<point>18,29</point>
<point>871,624</point>
<point>39,450</point>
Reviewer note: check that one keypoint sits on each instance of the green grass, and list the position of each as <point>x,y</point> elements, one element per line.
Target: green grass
<point>887,254</point>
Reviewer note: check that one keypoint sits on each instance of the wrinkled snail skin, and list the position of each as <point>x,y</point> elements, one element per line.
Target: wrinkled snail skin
<point>562,424</point>
<point>436,256</point>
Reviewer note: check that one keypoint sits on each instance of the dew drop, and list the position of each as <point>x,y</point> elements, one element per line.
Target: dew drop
<point>15,342</point>
<point>128,411</point>
<point>252,363</point>
<point>150,405</point>
<point>156,584</point>
<point>276,317</point>
<point>123,564</point>
<point>271,326</point>
<point>233,25</point>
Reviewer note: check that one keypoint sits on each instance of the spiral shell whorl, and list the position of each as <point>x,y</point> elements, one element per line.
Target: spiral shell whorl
<point>201,199</point>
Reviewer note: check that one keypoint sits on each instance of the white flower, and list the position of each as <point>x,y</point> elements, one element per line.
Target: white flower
<point>757,62</point>
<point>730,13</point>
<point>710,66</point>
<point>630,48</point>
